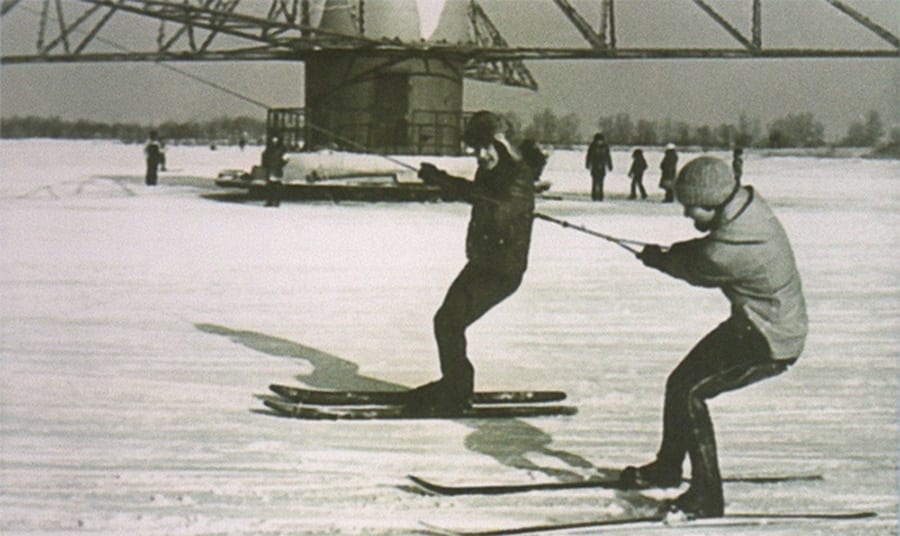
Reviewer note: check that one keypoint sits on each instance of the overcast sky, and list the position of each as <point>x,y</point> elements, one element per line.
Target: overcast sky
<point>836,91</point>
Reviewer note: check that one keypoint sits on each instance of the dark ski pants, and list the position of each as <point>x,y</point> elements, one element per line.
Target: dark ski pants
<point>152,173</point>
<point>273,193</point>
<point>597,179</point>
<point>637,183</point>
<point>474,292</point>
<point>733,355</point>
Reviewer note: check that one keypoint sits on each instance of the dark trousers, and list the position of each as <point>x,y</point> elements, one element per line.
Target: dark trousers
<point>597,178</point>
<point>273,193</point>
<point>152,173</point>
<point>473,293</point>
<point>637,183</point>
<point>670,195</point>
<point>732,356</point>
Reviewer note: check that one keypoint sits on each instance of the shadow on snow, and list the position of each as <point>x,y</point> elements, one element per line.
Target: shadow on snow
<point>509,441</point>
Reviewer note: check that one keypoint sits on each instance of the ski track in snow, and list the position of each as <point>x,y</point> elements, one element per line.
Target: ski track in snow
<point>138,324</point>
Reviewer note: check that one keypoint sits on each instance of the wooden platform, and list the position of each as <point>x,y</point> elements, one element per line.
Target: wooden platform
<point>320,191</point>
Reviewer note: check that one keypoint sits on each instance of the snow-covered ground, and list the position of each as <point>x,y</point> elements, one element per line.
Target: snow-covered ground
<point>138,324</point>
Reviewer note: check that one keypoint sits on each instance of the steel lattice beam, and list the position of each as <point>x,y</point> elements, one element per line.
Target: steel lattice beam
<point>285,34</point>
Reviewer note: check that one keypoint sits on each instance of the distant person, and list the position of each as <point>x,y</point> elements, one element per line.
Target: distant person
<point>737,163</point>
<point>668,168</point>
<point>497,244</point>
<point>242,141</point>
<point>747,255</point>
<point>536,157</point>
<point>153,155</point>
<point>636,172</point>
<point>598,160</point>
<point>162,155</point>
<point>273,162</point>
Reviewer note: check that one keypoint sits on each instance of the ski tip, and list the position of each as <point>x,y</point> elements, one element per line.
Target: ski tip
<point>279,407</point>
<point>438,531</point>
<point>281,390</point>
<point>426,486</point>
<point>864,515</point>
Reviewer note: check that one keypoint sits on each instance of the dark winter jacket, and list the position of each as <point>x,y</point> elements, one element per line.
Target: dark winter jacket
<point>737,167</point>
<point>273,159</point>
<point>502,199</point>
<point>638,167</point>
<point>153,152</point>
<point>749,258</point>
<point>598,158</point>
<point>669,167</point>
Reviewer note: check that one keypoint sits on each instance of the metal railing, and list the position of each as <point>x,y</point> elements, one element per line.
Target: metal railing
<point>426,132</point>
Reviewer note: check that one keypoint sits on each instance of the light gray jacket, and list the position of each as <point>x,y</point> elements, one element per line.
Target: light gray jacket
<point>749,257</point>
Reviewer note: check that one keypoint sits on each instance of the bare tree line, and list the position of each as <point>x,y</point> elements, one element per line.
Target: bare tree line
<point>220,130</point>
<point>793,130</point>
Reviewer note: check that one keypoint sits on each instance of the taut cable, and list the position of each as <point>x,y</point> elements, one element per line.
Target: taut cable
<point>621,242</point>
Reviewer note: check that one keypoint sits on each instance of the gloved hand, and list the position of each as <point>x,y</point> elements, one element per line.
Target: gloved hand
<point>651,256</point>
<point>429,173</point>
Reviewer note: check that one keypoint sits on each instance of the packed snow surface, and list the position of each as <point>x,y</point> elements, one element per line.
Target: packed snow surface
<point>138,325</point>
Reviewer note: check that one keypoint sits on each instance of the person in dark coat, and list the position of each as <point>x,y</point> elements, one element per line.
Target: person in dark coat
<point>536,158</point>
<point>497,245</point>
<point>737,163</point>
<point>273,161</point>
<point>668,168</point>
<point>747,255</point>
<point>153,155</point>
<point>636,172</point>
<point>598,160</point>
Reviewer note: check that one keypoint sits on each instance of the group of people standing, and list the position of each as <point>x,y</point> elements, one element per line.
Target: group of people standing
<point>272,160</point>
<point>744,252</point>
<point>599,160</point>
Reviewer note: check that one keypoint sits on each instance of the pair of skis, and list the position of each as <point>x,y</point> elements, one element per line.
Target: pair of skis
<point>315,404</point>
<point>642,524</point>
<point>658,519</point>
<point>655,520</point>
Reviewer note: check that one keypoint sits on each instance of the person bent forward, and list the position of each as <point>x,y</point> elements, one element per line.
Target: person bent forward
<point>747,255</point>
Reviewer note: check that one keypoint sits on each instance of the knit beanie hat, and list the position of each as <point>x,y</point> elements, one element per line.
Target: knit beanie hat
<point>705,181</point>
<point>481,129</point>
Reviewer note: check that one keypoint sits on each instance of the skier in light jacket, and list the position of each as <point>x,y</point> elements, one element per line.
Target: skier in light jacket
<point>747,255</point>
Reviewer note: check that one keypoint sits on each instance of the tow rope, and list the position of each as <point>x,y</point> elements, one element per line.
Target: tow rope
<point>621,242</point>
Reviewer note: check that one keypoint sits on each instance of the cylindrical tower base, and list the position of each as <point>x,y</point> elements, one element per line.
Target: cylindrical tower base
<point>385,105</point>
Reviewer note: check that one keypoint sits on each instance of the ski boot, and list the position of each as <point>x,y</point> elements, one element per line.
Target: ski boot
<point>651,475</point>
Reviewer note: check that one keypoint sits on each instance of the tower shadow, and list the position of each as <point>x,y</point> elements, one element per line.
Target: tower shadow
<point>511,442</point>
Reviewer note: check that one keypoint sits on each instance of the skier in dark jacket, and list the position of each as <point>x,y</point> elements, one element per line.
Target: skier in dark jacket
<point>747,255</point>
<point>636,172</point>
<point>497,244</point>
<point>668,169</point>
<point>154,155</point>
<point>598,159</point>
